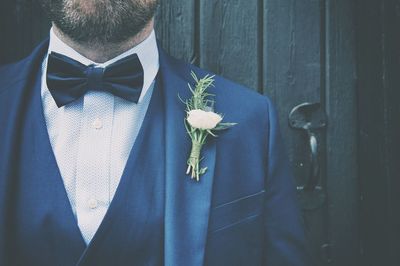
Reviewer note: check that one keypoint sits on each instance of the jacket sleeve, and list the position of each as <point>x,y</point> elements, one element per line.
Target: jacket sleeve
<point>286,243</point>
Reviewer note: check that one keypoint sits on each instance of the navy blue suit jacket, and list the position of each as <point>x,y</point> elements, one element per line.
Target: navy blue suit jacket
<point>244,209</point>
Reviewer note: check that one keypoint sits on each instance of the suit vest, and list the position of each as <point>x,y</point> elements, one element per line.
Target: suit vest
<point>40,226</point>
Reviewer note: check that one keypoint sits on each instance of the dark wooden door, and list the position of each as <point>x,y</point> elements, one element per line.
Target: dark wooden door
<point>343,54</point>
<point>378,63</point>
<point>294,51</point>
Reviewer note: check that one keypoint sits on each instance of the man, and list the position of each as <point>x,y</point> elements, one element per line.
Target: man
<point>94,151</point>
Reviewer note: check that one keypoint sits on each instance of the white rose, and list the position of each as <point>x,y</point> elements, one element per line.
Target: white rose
<point>203,120</point>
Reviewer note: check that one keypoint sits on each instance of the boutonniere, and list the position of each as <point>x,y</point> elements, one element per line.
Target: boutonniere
<point>201,121</point>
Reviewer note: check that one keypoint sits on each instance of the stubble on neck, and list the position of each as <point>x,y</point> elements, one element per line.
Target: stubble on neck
<point>102,52</point>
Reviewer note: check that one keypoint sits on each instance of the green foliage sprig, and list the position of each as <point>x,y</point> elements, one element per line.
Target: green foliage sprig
<point>201,121</point>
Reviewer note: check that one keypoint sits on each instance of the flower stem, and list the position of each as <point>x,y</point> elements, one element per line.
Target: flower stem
<point>194,160</point>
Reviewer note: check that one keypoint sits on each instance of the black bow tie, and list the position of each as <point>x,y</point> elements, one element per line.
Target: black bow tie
<point>68,79</point>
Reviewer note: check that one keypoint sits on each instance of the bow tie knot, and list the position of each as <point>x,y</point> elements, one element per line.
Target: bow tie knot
<point>94,77</point>
<point>68,80</point>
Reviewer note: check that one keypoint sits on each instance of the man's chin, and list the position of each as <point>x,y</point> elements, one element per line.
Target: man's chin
<point>101,22</point>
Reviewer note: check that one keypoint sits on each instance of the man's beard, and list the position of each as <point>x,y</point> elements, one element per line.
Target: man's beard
<point>100,21</point>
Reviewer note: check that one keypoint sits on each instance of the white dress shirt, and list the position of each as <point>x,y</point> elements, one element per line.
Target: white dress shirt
<point>93,136</point>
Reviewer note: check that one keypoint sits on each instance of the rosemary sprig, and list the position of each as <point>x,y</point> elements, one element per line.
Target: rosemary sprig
<point>201,121</point>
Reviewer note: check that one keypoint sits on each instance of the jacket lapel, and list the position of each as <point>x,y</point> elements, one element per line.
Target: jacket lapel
<point>187,206</point>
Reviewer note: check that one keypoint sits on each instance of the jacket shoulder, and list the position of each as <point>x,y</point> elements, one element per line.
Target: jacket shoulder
<point>11,74</point>
<point>22,70</point>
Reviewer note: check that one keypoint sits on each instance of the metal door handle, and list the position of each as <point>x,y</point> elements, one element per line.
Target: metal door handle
<point>310,117</point>
<point>314,167</point>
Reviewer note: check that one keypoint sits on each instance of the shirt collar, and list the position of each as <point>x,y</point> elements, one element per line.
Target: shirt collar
<point>147,52</point>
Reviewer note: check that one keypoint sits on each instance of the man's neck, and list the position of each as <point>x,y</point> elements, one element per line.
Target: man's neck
<point>101,53</point>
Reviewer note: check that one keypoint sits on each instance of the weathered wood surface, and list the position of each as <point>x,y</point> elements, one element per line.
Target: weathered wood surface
<point>228,40</point>
<point>175,27</point>
<point>22,26</point>
<point>292,75</point>
<point>292,67</point>
<point>379,130</point>
<point>340,99</point>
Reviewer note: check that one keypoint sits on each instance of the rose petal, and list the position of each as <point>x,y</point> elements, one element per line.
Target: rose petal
<point>203,120</point>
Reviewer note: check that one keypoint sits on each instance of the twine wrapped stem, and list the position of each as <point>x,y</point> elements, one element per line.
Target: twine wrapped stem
<point>194,161</point>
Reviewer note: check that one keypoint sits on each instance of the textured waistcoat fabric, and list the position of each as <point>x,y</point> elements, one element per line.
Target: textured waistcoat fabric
<point>43,229</point>
<point>93,136</point>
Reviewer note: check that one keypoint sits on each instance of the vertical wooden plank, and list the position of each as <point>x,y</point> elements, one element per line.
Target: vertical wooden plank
<point>391,125</point>
<point>341,108</point>
<point>292,75</point>
<point>229,39</point>
<point>175,25</point>
<point>23,26</point>
<point>371,106</point>
<point>292,66</point>
<point>379,130</point>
